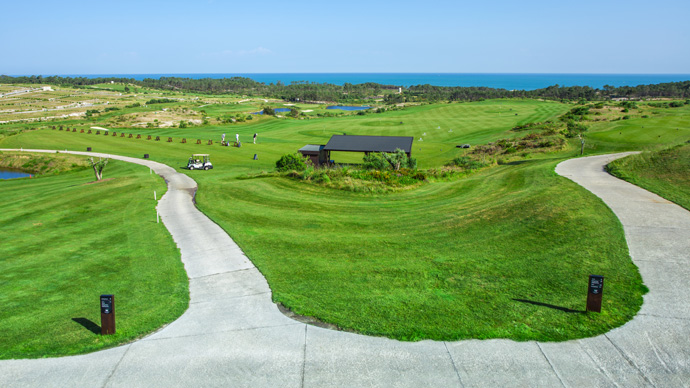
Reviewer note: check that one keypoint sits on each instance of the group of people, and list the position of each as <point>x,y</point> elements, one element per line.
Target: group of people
<point>237,139</point>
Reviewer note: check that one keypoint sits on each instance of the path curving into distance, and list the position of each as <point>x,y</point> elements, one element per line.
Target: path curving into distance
<point>232,335</point>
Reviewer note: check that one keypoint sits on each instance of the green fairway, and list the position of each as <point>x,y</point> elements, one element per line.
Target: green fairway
<point>66,241</point>
<point>664,172</point>
<point>662,127</point>
<point>504,253</point>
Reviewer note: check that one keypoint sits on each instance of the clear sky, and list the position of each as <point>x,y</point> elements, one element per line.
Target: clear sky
<point>215,36</point>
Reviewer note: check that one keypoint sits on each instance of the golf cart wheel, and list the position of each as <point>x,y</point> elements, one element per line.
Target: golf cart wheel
<point>205,167</point>
<point>191,167</point>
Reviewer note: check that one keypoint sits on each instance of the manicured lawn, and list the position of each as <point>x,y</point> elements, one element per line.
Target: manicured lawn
<point>665,172</point>
<point>446,261</point>
<point>66,241</point>
<point>500,254</point>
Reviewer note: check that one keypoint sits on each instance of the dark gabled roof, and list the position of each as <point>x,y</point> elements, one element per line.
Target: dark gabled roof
<point>369,143</point>
<point>312,148</point>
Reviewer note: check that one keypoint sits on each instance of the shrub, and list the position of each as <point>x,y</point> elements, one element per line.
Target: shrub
<point>573,129</point>
<point>466,163</point>
<point>290,162</point>
<point>159,101</point>
<point>375,161</point>
<point>384,161</point>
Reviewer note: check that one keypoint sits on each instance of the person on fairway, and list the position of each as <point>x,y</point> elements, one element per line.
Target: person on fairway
<point>237,137</point>
<point>255,138</point>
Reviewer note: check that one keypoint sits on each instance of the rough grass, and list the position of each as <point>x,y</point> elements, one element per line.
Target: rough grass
<point>66,241</point>
<point>44,164</point>
<point>664,172</point>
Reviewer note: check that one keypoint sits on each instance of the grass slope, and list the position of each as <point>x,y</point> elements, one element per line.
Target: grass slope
<point>466,259</point>
<point>500,254</point>
<point>663,172</point>
<point>67,241</point>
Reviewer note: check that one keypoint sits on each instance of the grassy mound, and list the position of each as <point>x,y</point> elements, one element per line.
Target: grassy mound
<point>662,172</point>
<point>505,253</point>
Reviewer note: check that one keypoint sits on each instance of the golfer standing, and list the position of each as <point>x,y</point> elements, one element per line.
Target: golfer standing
<point>255,138</point>
<point>237,137</point>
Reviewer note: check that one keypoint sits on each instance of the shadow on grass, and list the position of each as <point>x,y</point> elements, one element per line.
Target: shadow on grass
<point>564,309</point>
<point>88,325</point>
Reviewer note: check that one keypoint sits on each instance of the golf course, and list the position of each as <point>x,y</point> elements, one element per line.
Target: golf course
<point>500,250</point>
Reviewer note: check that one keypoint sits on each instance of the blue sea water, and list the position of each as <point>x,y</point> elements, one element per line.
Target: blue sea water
<point>503,81</point>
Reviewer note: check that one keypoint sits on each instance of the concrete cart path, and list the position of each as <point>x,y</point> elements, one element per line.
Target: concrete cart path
<point>232,335</point>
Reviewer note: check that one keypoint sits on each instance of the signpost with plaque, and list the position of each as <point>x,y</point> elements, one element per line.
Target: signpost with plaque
<point>594,293</point>
<point>107,314</point>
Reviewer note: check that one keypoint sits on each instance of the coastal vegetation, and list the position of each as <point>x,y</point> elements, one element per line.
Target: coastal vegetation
<point>306,91</point>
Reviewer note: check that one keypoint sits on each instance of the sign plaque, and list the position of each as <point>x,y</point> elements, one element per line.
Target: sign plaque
<point>107,314</point>
<point>594,293</point>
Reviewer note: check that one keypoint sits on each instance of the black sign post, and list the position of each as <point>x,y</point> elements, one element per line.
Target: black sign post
<point>107,314</point>
<point>594,293</point>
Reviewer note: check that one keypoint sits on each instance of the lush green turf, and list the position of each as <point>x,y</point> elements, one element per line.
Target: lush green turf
<point>661,128</point>
<point>66,241</point>
<point>466,259</point>
<point>500,254</point>
<point>665,172</point>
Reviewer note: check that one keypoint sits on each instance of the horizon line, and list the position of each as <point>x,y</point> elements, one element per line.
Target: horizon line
<point>444,73</point>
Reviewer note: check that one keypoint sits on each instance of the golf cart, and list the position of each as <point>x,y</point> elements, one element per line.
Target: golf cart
<point>199,162</point>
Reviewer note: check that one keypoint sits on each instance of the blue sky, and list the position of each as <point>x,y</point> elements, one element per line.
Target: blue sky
<point>214,36</point>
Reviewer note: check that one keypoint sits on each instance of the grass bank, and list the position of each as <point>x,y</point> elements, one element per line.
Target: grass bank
<point>504,253</point>
<point>664,172</point>
<point>43,164</point>
<point>67,240</point>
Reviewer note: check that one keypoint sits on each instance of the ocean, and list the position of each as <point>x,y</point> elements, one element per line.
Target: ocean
<point>502,81</point>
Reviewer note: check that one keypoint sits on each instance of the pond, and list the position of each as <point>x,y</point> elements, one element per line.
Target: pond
<point>277,110</point>
<point>7,174</point>
<point>347,107</point>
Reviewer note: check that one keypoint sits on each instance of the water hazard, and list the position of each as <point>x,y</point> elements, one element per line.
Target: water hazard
<point>277,110</point>
<point>7,174</point>
<point>347,107</point>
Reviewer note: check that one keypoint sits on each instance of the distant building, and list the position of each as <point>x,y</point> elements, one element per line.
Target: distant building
<point>321,154</point>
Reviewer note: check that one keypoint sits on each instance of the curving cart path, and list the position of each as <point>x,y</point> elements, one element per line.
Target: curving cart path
<point>232,335</point>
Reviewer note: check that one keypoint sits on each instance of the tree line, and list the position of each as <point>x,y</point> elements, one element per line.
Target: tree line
<point>311,91</point>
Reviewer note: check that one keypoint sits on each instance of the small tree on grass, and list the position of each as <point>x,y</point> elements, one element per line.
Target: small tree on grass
<point>98,167</point>
<point>577,130</point>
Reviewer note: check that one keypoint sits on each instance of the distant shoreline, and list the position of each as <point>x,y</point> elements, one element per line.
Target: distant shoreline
<point>509,81</point>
